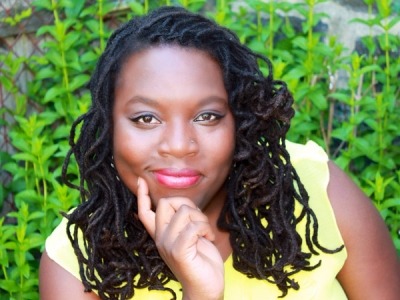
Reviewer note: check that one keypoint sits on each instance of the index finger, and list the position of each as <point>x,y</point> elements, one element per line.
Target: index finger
<point>146,215</point>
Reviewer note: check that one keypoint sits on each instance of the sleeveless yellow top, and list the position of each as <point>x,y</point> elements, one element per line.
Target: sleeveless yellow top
<point>310,161</point>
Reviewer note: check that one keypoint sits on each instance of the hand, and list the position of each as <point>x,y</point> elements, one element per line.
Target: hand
<point>184,239</point>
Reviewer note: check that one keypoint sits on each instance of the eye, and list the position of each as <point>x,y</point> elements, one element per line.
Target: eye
<point>208,117</point>
<point>146,119</point>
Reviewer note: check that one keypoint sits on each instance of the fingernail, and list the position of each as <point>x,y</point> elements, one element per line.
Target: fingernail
<point>138,181</point>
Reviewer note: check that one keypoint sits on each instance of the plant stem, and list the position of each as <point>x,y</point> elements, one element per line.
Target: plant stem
<point>4,272</point>
<point>387,58</point>
<point>380,113</point>
<point>259,25</point>
<point>221,5</point>
<point>271,28</point>
<point>44,183</point>
<point>310,47</point>
<point>61,30</point>
<point>101,25</point>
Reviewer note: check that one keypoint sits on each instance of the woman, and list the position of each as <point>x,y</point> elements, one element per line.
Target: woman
<point>189,188</point>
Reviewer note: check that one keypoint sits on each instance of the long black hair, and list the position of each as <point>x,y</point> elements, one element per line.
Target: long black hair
<point>262,186</point>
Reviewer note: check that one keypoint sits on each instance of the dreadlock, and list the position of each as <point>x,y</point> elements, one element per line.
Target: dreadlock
<point>117,255</point>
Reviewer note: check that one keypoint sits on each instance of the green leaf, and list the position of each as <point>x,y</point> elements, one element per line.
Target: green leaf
<point>48,152</point>
<point>46,73</point>
<point>73,11</point>
<point>341,96</point>
<point>58,105</point>
<point>10,167</point>
<point>78,81</point>
<point>50,29</point>
<point>390,203</point>
<point>305,126</point>
<point>89,56</point>
<point>4,261</point>
<point>92,25</point>
<point>21,232</point>
<point>393,22</point>
<point>25,157</point>
<point>300,42</point>
<point>7,234</point>
<point>61,132</point>
<point>71,39</point>
<point>35,240</point>
<point>53,93</point>
<point>19,141</point>
<point>342,133</point>
<point>318,99</point>
<point>49,117</point>
<point>371,68</point>
<point>365,146</point>
<point>370,22</point>
<point>36,215</point>
<point>27,196</point>
<point>54,57</point>
<point>295,73</point>
<point>42,4</point>
<point>384,8</point>
<point>9,285</point>
<point>136,8</point>
<point>73,60</point>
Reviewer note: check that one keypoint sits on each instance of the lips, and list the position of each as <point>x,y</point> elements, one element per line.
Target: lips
<point>177,179</point>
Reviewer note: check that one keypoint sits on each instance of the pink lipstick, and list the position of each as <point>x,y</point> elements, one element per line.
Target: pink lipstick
<point>177,178</point>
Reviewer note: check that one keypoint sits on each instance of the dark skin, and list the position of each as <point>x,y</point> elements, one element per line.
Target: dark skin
<point>170,214</point>
<point>371,270</point>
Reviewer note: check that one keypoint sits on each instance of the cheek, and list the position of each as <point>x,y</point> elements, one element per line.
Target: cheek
<point>222,148</point>
<point>128,156</point>
<point>229,139</point>
<point>126,166</point>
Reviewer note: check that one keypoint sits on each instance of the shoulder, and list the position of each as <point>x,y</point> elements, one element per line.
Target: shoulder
<point>57,283</point>
<point>59,249</point>
<point>59,269</point>
<point>371,270</point>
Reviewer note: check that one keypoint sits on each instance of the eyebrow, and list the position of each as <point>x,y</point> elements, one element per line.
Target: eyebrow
<point>212,99</point>
<point>156,103</point>
<point>145,100</point>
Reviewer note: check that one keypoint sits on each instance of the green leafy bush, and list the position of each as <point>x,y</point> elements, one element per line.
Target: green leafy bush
<point>357,124</point>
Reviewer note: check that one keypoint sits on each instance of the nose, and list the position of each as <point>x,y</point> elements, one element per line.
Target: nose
<point>179,140</point>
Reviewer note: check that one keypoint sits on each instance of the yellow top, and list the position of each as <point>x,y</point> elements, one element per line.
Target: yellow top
<point>310,161</point>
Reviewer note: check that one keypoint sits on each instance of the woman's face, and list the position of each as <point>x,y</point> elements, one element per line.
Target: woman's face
<point>172,125</point>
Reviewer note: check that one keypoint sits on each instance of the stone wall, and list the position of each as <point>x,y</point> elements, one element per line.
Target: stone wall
<point>341,12</point>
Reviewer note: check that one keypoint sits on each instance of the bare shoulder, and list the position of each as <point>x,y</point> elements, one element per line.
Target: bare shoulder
<point>57,283</point>
<point>372,269</point>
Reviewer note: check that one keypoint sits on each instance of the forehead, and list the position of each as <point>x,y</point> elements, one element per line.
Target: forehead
<point>170,74</point>
<point>168,56</point>
<point>171,69</point>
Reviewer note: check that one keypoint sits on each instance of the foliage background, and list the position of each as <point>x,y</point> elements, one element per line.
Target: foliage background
<point>357,123</point>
